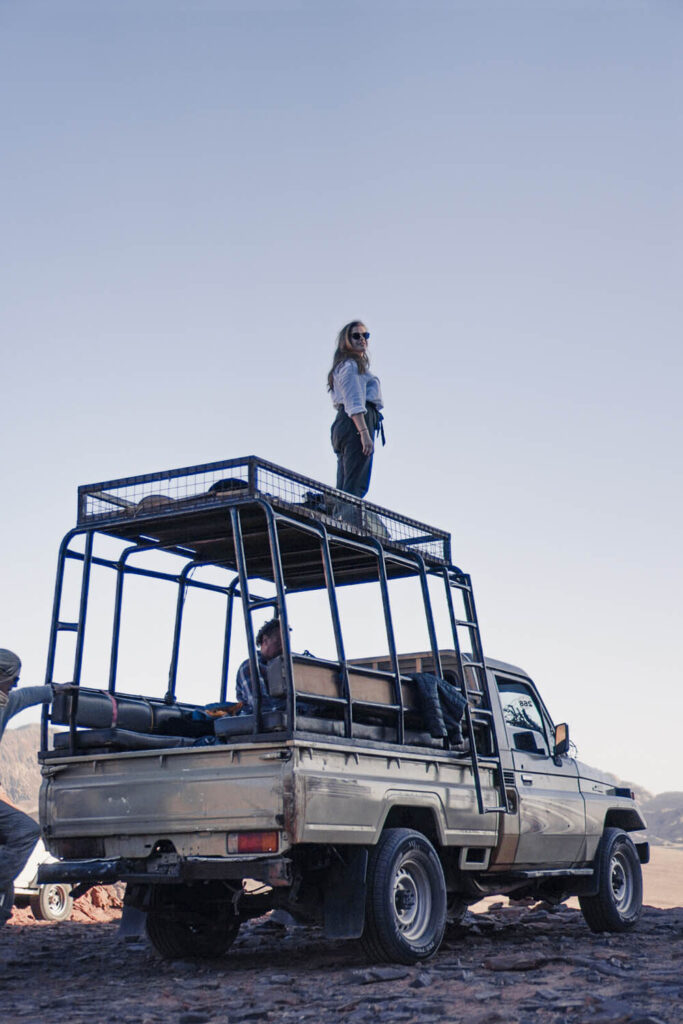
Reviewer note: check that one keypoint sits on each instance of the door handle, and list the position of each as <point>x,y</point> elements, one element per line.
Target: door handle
<point>527,780</point>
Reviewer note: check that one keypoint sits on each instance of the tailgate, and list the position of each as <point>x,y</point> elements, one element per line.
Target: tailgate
<point>190,796</point>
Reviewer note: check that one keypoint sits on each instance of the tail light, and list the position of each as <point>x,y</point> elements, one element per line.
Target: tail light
<point>253,842</point>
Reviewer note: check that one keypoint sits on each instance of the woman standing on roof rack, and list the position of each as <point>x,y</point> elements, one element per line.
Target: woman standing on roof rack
<point>357,397</point>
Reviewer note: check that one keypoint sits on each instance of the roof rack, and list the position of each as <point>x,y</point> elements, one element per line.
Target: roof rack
<point>168,503</point>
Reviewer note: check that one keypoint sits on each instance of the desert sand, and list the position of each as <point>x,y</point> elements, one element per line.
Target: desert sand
<point>663,878</point>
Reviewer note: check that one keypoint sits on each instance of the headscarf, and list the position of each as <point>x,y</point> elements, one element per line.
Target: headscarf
<point>10,665</point>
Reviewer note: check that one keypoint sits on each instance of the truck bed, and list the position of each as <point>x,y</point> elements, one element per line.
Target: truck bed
<point>310,791</point>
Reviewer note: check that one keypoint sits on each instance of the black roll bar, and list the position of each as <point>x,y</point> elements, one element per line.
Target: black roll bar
<point>227,637</point>
<point>121,570</point>
<point>240,558</point>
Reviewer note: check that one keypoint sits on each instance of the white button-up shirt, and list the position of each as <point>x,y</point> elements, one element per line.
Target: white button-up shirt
<point>353,389</point>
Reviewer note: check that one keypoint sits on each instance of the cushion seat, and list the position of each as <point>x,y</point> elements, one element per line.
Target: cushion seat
<point>119,739</point>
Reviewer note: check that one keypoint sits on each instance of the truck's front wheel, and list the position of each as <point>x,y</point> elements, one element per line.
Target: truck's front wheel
<point>619,900</point>
<point>186,922</point>
<point>405,912</point>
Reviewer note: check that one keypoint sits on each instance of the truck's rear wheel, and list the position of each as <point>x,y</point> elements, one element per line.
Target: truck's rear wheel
<point>52,902</point>
<point>619,900</point>
<point>456,908</point>
<point>186,923</point>
<point>405,912</point>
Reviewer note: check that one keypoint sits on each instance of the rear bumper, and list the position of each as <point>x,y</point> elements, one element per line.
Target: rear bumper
<point>274,871</point>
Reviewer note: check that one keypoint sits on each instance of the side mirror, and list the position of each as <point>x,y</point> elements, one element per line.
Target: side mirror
<point>561,739</point>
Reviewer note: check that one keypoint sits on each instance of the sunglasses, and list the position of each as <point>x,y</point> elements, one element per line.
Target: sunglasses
<point>357,335</point>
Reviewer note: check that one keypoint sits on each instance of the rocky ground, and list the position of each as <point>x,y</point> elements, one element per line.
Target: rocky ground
<point>508,964</point>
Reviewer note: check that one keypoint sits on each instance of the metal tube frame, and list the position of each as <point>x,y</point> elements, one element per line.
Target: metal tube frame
<point>239,587</point>
<point>227,637</point>
<point>240,558</point>
<point>121,570</point>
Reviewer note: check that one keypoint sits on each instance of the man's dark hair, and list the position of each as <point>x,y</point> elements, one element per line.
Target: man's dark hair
<point>271,626</point>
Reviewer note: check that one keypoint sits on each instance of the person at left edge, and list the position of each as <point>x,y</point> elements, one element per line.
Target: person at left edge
<point>18,832</point>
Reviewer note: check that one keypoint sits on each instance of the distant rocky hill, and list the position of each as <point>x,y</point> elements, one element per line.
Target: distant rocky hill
<point>664,814</point>
<point>20,777</point>
<point>19,771</point>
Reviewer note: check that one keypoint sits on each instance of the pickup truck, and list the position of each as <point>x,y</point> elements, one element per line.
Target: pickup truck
<point>342,796</point>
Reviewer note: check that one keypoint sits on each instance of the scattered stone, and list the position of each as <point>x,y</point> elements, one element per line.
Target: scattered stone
<point>596,965</point>
<point>423,980</point>
<point>372,974</point>
<point>515,962</point>
<point>536,971</point>
<point>486,993</point>
<point>283,918</point>
<point>614,1008</point>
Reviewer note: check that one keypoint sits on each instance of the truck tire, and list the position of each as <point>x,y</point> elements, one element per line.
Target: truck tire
<point>619,900</point>
<point>405,913</point>
<point>52,902</point>
<point>456,908</point>
<point>189,928</point>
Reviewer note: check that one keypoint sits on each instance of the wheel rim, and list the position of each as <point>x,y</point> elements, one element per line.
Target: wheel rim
<point>412,899</point>
<point>56,899</point>
<point>621,882</point>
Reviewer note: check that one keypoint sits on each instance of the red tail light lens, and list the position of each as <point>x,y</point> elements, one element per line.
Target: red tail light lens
<point>253,842</point>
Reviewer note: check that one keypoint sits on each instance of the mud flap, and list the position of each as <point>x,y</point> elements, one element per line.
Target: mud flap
<point>344,904</point>
<point>136,903</point>
<point>132,923</point>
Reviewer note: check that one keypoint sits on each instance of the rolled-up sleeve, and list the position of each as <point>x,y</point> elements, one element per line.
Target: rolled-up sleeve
<point>350,386</point>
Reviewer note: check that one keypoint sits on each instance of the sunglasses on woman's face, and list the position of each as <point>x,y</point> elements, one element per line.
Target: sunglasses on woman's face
<point>356,335</point>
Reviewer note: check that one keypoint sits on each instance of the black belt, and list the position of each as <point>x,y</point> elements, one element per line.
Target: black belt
<point>379,425</point>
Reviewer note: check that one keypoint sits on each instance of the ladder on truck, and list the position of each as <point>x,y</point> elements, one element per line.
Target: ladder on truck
<point>60,626</point>
<point>472,670</point>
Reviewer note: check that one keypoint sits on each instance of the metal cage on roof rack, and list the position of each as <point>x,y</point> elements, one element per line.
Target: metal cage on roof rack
<point>133,505</point>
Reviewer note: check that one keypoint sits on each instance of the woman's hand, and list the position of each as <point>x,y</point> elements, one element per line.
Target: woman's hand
<point>366,442</point>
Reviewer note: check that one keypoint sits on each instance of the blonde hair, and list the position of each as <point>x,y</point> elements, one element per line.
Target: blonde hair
<point>345,350</point>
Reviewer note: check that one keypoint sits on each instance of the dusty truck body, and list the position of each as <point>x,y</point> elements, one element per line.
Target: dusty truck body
<point>344,796</point>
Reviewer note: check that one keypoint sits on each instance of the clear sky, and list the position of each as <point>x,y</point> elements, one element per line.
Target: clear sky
<point>197,195</point>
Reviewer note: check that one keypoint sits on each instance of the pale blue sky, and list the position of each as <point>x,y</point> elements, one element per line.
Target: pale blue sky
<point>196,196</point>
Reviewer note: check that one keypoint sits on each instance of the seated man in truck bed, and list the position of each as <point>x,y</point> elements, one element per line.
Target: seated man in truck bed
<point>269,643</point>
